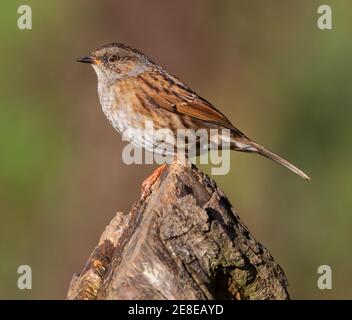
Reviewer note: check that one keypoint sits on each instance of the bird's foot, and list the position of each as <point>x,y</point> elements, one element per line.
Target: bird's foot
<point>148,183</point>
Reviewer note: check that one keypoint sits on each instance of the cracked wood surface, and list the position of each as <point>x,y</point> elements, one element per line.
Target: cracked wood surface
<point>182,240</point>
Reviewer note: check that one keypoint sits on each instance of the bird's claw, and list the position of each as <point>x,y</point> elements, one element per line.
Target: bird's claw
<point>148,183</point>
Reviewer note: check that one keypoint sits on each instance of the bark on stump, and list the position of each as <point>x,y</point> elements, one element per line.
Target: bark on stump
<point>183,240</point>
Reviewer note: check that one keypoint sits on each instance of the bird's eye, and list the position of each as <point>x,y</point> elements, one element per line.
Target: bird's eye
<point>112,58</point>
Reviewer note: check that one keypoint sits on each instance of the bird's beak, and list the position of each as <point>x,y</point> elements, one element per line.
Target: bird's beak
<point>89,60</point>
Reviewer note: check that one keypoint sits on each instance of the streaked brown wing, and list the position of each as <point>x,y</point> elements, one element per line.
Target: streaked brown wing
<point>169,93</point>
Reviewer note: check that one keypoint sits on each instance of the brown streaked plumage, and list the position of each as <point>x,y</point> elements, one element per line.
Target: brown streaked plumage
<point>133,89</point>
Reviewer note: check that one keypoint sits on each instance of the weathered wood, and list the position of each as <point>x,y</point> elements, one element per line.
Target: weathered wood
<point>183,240</point>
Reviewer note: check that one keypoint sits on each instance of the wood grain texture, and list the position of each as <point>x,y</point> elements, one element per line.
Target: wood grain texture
<point>183,240</point>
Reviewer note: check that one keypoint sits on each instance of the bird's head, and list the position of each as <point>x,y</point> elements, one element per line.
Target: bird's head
<point>116,61</point>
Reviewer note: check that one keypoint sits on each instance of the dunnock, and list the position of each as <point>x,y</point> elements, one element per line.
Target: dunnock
<point>133,89</point>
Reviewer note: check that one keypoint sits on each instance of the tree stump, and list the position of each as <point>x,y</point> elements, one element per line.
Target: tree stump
<point>183,240</point>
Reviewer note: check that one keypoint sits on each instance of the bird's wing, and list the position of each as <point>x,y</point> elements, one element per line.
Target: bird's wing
<point>169,93</point>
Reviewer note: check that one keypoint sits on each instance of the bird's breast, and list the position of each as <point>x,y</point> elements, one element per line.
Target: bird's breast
<point>120,110</point>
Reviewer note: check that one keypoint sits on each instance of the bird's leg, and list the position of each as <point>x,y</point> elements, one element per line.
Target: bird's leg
<point>148,183</point>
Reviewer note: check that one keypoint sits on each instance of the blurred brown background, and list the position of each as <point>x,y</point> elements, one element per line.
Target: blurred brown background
<point>265,64</point>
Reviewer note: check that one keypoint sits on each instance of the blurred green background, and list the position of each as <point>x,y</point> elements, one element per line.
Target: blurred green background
<point>265,64</point>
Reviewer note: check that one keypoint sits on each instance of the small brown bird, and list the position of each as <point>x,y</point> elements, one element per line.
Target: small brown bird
<point>133,89</point>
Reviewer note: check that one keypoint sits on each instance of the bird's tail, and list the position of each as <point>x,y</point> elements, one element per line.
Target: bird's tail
<point>251,146</point>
